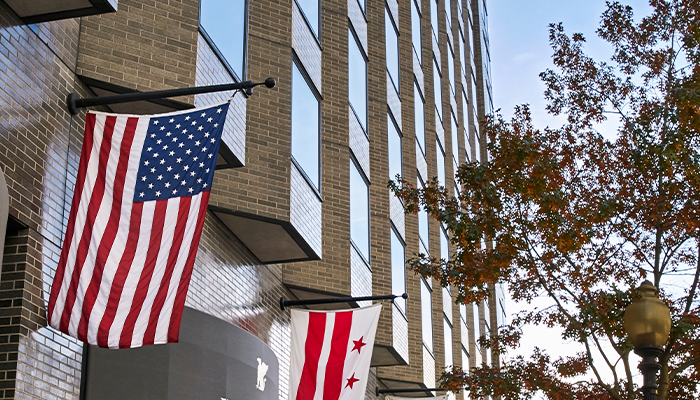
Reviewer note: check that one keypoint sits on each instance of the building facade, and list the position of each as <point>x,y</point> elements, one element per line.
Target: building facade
<point>366,90</point>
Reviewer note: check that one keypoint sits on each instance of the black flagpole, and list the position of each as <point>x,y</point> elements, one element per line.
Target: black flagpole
<point>379,391</point>
<point>284,303</point>
<point>75,103</point>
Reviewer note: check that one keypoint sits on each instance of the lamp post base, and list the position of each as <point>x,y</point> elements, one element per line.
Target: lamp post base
<point>649,368</point>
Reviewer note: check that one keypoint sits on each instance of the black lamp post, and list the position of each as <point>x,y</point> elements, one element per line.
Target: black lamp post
<point>648,322</point>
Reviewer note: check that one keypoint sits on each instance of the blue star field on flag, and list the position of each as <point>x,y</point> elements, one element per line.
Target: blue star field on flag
<point>179,154</point>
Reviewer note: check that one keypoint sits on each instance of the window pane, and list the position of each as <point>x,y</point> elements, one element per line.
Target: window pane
<point>463,56</point>
<point>426,315</point>
<point>415,31</point>
<point>392,50</point>
<point>357,80</point>
<point>444,246</point>
<point>310,10</point>
<point>305,127</point>
<point>395,152</point>
<point>398,270</point>
<point>437,89</point>
<point>451,68</point>
<point>448,12</point>
<point>224,23</point>
<point>440,164</point>
<point>455,140</point>
<point>465,365</point>
<point>477,324</point>
<point>449,358</point>
<point>423,225</point>
<point>434,19</point>
<point>420,117</point>
<point>359,211</point>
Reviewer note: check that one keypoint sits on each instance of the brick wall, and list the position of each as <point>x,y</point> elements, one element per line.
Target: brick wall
<point>144,46</point>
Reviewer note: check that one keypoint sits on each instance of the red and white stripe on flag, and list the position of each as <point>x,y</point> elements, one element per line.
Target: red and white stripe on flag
<point>331,353</point>
<point>137,214</point>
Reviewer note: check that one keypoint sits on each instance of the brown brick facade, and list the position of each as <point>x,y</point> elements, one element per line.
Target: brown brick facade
<point>152,45</point>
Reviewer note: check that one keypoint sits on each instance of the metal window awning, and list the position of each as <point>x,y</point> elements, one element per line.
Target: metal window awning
<point>34,11</point>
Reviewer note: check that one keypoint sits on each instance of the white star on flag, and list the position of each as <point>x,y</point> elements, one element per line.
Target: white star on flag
<point>331,353</point>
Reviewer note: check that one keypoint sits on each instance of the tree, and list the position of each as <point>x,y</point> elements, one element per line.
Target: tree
<point>582,220</point>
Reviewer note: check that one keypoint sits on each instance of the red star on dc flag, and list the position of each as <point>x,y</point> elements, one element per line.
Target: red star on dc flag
<point>351,381</point>
<point>358,345</point>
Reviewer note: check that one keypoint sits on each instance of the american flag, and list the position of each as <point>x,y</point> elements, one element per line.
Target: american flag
<point>331,353</point>
<point>137,214</point>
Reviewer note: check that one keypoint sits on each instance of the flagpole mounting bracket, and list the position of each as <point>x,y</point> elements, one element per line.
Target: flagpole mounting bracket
<point>74,102</point>
<point>284,303</point>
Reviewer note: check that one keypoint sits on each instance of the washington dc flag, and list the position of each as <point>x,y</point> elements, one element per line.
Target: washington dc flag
<point>138,209</point>
<point>331,353</point>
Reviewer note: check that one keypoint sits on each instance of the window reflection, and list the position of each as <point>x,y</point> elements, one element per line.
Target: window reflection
<point>395,167</point>
<point>451,68</point>
<point>434,20</point>
<point>423,225</point>
<point>426,315</point>
<point>398,270</point>
<point>419,108</point>
<point>223,22</point>
<point>416,31</point>
<point>437,89</point>
<point>449,358</point>
<point>455,144</point>
<point>310,10</point>
<point>392,50</point>
<point>359,211</point>
<point>357,80</point>
<point>305,128</point>
<point>440,164</point>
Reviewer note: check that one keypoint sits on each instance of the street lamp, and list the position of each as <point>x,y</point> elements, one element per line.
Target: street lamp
<point>648,322</point>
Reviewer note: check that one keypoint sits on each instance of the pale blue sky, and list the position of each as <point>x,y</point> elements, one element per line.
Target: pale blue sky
<point>519,38</point>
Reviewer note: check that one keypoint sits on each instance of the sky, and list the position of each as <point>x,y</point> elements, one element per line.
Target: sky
<point>519,48</point>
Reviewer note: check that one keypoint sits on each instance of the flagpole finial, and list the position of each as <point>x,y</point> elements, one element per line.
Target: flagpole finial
<point>270,83</point>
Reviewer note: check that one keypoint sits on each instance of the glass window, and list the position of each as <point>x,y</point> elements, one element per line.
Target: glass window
<point>434,19</point>
<point>437,89</point>
<point>463,324</point>
<point>444,247</point>
<point>426,315</point>
<point>305,128</point>
<point>310,8</point>
<point>477,324</point>
<point>448,13</point>
<point>465,366</point>
<point>440,163</point>
<point>398,270</point>
<point>423,225</point>
<point>224,24</point>
<point>392,50</point>
<point>451,68</point>
<point>359,211</point>
<point>395,150</point>
<point>455,139</point>
<point>449,358</point>
<point>416,31</point>
<point>462,54</point>
<point>419,108</point>
<point>357,80</point>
